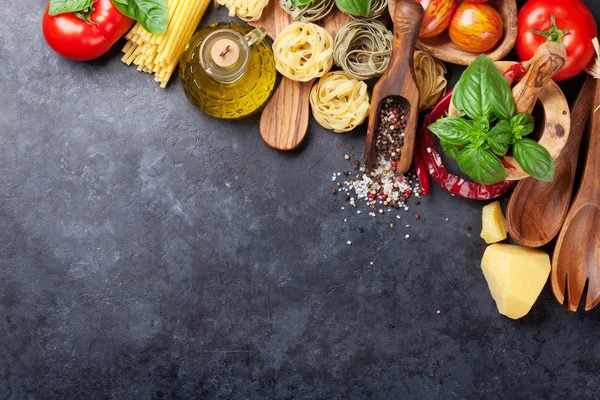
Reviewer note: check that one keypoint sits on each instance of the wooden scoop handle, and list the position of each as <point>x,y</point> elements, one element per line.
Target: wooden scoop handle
<point>407,18</point>
<point>548,59</point>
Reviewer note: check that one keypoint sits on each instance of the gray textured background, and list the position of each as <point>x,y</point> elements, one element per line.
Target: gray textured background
<point>150,252</point>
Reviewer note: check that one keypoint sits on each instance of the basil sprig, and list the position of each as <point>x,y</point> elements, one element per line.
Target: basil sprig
<point>355,7</point>
<point>66,6</point>
<point>298,3</point>
<point>488,127</point>
<point>152,14</point>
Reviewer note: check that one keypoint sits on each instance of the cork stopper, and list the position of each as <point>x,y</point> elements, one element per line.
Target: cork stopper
<point>225,52</point>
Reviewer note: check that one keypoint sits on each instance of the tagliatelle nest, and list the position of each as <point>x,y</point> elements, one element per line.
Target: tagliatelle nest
<point>311,12</point>
<point>303,51</point>
<point>363,49</point>
<point>248,10</point>
<point>339,102</point>
<point>378,7</point>
<point>431,80</point>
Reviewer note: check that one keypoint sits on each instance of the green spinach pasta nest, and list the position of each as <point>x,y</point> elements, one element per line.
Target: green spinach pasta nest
<point>311,12</point>
<point>363,49</point>
<point>378,7</point>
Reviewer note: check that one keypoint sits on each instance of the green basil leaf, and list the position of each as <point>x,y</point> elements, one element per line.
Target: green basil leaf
<point>470,93</point>
<point>481,165</point>
<point>452,130</point>
<point>68,6</point>
<point>499,137</point>
<point>298,3</point>
<point>534,159</point>
<point>522,125</point>
<point>451,150</point>
<point>498,148</point>
<point>355,7</point>
<point>152,14</point>
<point>500,95</point>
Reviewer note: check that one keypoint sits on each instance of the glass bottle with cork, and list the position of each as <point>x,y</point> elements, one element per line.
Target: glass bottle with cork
<point>228,70</point>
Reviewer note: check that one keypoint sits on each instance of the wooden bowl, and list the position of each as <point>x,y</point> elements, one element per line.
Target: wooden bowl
<point>442,47</point>
<point>555,122</point>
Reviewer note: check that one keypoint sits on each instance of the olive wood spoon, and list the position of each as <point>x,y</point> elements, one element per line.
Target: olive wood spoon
<point>399,82</point>
<point>577,254</point>
<point>537,209</point>
<point>548,59</point>
<point>284,120</point>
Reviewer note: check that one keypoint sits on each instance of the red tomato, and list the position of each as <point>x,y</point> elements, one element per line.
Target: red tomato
<point>438,14</point>
<point>571,15</point>
<point>476,27</point>
<point>78,39</point>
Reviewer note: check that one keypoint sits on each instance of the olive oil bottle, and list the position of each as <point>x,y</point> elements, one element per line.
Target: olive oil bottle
<point>228,70</point>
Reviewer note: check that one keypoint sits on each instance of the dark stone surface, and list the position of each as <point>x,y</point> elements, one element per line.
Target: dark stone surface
<point>150,252</point>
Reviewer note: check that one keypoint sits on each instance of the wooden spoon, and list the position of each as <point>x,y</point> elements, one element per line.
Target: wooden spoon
<point>399,83</point>
<point>577,254</point>
<point>536,209</point>
<point>284,120</point>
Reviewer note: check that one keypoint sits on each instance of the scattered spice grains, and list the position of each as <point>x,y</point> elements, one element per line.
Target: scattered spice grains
<point>382,190</point>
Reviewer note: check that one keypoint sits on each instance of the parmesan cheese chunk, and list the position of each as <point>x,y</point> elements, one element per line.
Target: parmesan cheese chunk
<point>516,276</point>
<point>493,228</point>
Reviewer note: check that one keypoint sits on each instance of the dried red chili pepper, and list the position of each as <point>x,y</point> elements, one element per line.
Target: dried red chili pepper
<point>428,161</point>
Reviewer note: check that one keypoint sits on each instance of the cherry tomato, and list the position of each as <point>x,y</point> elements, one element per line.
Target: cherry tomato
<point>574,25</point>
<point>85,36</point>
<point>476,27</point>
<point>438,14</point>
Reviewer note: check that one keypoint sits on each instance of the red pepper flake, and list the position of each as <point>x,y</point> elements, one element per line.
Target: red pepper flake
<point>339,146</point>
<point>371,195</point>
<point>384,196</point>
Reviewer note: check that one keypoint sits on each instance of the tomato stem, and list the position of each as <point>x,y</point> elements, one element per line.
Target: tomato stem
<point>85,14</point>
<point>553,34</point>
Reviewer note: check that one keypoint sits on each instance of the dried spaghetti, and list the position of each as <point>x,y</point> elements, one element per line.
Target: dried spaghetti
<point>303,51</point>
<point>339,102</point>
<point>159,54</point>
<point>363,49</point>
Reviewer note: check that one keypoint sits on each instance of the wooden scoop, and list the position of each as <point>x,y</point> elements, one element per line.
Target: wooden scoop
<point>536,209</point>
<point>399,82</point>
<point>577,254</point>
<point>284,120</point>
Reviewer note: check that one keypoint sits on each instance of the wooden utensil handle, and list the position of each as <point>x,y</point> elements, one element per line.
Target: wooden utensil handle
<point>589,188</point>
<point>408,17</point>
<point>548,59</point>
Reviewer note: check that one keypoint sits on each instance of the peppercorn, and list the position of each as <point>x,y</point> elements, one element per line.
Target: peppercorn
<point>333,191</point>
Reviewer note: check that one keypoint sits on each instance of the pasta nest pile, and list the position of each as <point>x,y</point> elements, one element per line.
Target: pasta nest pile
<point>311,12</point>
<point>363,49</point>
<point>431,80</point>
<point>303,51</point>
<point>339,102</point>
<point>248,10</point>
